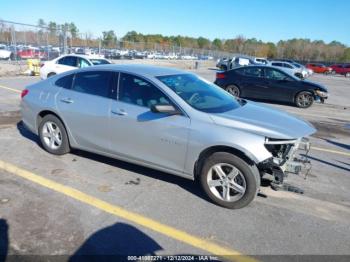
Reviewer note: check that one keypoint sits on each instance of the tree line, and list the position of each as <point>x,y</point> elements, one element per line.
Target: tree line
<point>300,49</point>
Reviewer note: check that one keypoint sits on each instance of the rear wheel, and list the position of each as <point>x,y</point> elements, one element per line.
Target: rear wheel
<point>53,135</point>
<point>229,181</point>
<point>233,90</point>
<point>304,99</point>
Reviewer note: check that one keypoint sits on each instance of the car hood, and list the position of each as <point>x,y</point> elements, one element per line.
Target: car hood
<point>265,121</point>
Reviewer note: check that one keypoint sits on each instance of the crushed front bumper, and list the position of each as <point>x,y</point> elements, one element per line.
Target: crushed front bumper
<point>290,158</point>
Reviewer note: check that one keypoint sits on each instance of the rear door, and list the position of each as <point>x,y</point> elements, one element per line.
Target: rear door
<point>85,105</point>
<point>251,83</point>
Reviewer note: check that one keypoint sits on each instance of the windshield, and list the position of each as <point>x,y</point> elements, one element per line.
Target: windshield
<point>200,94</point>
<point>99,61</point>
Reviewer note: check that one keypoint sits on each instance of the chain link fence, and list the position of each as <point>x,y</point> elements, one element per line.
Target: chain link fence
<point>19,41</point>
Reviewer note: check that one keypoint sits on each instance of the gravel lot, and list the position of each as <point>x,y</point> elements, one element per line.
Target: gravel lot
<point>42,222</point>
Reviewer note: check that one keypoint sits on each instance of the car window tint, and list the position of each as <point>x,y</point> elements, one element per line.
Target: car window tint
<point>135,90</point>
<point>287,66</point>
<point>93,83</point>
<point>275,74</point>
<point>253,72</point>
<point>83,63</point>
<point>68,61</point>
<point>277,64</point>
<point>65,82</point>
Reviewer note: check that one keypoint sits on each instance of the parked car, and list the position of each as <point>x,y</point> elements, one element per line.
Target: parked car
<point>270,83</point>
<point>169,120</point>
<point>289,68</point>
<point>240,61</point>
<point>305,72</point>
<point>342,69</point>
<point>69,62</point>
<point>30,53</point>
<point>260,60</point>
<point>319,68</point>
<point>5,54</point>
<point>222,63</point>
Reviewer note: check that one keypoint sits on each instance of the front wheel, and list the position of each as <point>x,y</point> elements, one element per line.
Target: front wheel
<point>304,99</point>
<point>53,135</point>
<point>229,181</point>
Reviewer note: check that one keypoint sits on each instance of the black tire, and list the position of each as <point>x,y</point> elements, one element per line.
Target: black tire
<point>61,149</point>
<point>299,75</point>
<point>250,174</point>
<point>233,90</point>
<point>50,74</point>
<point>304,99</point>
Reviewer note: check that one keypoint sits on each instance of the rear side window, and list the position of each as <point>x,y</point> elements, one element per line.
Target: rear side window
<point>65,82</point>
<point>93,83</point>
<point>288,66</point>
<point>68,61</point>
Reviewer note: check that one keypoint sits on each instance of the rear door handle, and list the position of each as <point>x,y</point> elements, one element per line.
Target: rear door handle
<point>120,112</point>
<point>67,100</point>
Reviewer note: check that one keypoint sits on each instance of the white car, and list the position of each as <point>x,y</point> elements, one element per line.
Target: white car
<point>289,68</point>
<point>69,62</point>
<point>260,60</point>
<point>4,53</point>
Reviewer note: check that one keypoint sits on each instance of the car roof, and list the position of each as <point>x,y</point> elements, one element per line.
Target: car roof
<point>139,69</point>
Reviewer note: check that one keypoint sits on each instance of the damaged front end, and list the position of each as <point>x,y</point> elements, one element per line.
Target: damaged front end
<point>288,156</point>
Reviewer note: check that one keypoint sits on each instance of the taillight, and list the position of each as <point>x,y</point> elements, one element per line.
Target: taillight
<point>24,93</point>
<point>220,75</point>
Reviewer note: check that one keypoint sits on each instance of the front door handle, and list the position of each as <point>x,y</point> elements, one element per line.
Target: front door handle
<point>120,112</point>
<point>67,100</point>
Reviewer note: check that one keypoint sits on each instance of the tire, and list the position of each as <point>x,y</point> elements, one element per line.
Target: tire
<point>246,180</point>
<point>347,74</point>
<point>304,99</point>
<point>53,135</point>
<point>50,74</point>
<point>333,72</point>
<point>299,75</point>
<point>233,90</point>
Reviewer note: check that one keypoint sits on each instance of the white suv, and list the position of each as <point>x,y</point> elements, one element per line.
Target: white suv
<point>69,62</point>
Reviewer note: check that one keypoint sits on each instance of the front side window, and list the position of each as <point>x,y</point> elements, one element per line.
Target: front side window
<point>200,94</point>
<point>99,61</point>
<point>275,74</point>
<point>83,63</point>
<point>277,64</point>
<point>93,83</point>
<point>137,91</point>
<point>253,71</point>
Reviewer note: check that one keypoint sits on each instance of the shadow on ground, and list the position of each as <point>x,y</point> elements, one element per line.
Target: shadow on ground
<point>115,243</point>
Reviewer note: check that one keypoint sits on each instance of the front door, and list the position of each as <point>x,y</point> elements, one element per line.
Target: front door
<point>138,133</point>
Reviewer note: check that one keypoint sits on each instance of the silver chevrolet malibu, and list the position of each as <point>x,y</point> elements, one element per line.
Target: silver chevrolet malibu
<point>169,120</point>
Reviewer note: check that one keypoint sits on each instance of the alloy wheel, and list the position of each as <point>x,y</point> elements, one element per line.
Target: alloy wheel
<point>233,90</point>
<point>52,135</point>
<point>304,100</point>
<point>226,182</point>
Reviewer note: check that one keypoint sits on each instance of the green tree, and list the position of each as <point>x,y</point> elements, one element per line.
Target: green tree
<point>217,43</point>
<point>72,28</point>
<point>108,38</point>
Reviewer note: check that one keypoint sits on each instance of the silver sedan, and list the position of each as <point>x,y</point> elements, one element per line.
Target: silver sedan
<point>169,120</point>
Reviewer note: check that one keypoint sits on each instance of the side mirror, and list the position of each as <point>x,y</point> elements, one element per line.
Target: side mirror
<point>166,109</point>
